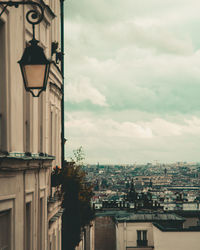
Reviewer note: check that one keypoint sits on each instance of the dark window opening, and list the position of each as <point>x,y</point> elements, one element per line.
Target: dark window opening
<point>142,238</point>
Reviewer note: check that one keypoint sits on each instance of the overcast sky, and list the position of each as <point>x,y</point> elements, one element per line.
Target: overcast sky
<point>132,80</point>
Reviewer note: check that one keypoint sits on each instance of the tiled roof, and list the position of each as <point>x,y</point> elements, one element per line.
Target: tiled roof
<point>150,217</point>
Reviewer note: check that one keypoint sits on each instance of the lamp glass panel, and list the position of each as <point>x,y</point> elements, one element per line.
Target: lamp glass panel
<point>35,75</point>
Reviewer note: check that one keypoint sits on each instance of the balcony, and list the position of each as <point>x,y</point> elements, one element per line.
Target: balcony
<point>142,243</point>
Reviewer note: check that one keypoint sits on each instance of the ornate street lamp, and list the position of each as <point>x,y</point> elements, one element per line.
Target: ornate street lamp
<point>34,64</point>
<point>35,68</point>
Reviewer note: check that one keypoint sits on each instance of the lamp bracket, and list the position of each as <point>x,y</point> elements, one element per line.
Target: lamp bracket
<point>32,16</point>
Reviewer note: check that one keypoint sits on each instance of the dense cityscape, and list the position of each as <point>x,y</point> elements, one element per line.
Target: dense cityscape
<point>173,186</point>
<point>150,206</point>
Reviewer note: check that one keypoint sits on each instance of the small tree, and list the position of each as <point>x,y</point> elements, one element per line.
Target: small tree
<point>76,201</point>
<point>79,156</point>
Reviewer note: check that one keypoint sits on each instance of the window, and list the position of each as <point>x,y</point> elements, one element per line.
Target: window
<point>51,134</point>
<point>56,136</point>
<point>54,240</point>
<point>27,136</point>
<point>41,224</point>
<point>0,131</point>
<point>3,89</point>
<point>5,230</point>
<point>142,237</point>
<point>40,124</point>
<point>28,226</point>
<point>59,239</point>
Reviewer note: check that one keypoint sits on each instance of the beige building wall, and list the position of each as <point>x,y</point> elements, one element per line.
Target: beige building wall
<point>126,234</point>
<point>29,210</point>
<point>54,235</point>
<point>29,124</point>
<point>87,238</point>
<point>23,196</point>
<point>176,240</point>
<point>105,233</point>
<point>92,236</point>
<point>80,245</point>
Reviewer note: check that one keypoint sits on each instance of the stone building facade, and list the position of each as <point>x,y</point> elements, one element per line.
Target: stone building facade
<point>30,136</point>
<point>87,238</point>
<point>146,230</point>
<point>159,231</point>
<point>105,235</point>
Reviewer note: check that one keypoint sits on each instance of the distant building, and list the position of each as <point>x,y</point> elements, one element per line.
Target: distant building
<point>135,231</point>
<point>122,230</point>
<point>105,236</point>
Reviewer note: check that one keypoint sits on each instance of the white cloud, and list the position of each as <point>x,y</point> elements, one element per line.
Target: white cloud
<point>82,90</point>
<point>134,73</point>
<point>112,141</point>
<point>157,127</point>
<point>151,37</point>
<point>161,127</point>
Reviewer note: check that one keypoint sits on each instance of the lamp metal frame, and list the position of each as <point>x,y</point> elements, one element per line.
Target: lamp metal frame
<point>31,14</point>
<point>33,17</point>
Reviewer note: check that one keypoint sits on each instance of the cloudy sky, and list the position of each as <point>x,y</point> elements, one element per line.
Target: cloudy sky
<point>133,80</point>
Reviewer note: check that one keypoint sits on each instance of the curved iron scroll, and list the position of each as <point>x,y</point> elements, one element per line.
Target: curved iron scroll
<point>32,16</point>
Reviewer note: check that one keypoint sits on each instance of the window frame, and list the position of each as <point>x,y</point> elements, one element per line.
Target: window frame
<point>142,238</point>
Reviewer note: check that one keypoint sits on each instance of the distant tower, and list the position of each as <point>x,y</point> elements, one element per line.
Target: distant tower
<point>97,166</point>
<point>150,184</point>
<point>165,171</point>
<point>132,195</point>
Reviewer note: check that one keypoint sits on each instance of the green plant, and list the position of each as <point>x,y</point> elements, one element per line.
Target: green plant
<point>77,194</point>
<point>56,176</point>
<point>79,156</point>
